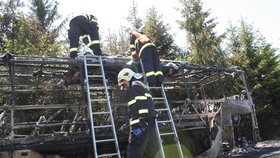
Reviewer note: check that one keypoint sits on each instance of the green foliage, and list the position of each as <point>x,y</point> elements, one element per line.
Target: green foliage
<point>268,119</point>
<point>157,31</point>
<point>177,53</point>
<point>250,51</point>
<point>30,39</point>
<point>132,18</point>
<point>10,13</point>
<point>116,43</point>
<point>154,28</point>
<point>204,44</point>
<point>45,11</point>
<point>30,35</point>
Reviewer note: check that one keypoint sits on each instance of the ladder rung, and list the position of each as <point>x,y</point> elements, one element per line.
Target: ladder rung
<point>96,88</point>
<point>108,155</point>
<point>165,121</point>
<point>97,100</point>
<point>170,82</point>
<point>103,126</point>
<point>165,134</point>
<point>161,110</point>
<point>154,87</point>
<point>194,128</point>
<point>93,64</point>
<point>100,113</point>
<point>95,76</point>
<point>105,140</point>
<point>158,98</point>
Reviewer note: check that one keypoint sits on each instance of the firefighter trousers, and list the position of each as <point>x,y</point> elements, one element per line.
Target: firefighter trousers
<point>145,145</point>
<point>80,26</point>
<point>152,67</point>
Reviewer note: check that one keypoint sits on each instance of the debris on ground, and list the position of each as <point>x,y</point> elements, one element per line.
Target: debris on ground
<point>265,149</point>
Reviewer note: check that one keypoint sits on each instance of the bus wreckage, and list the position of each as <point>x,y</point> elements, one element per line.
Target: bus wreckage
<point>44,107</point>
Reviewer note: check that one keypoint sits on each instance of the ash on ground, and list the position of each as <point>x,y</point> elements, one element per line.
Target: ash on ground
<point>245,149</point>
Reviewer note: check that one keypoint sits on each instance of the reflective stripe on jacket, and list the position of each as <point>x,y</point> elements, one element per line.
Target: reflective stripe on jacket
<point>90,18</point>
<point>140,103</point>
<point>138,43</point>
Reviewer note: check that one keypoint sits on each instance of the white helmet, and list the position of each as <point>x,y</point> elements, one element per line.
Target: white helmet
<point>127,74</point>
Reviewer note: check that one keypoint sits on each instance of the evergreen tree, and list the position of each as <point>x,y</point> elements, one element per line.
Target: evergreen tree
<point>9,18</point>
<point>32,35</point>
<point>32,40</point>
<point>157,31</point>
<point>132,18</point>
<point>257,58</point>
<point>204,44</point>
<point>243,45</point>
<point>45,11</point>
<point>116,43</point>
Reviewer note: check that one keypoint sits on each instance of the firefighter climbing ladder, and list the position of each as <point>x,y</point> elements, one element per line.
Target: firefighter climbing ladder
<point>89,63</point>
<point>164,118</point>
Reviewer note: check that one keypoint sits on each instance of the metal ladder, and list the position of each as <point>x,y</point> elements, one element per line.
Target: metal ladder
<point>164,117</point>
<point>104,112</point>
<point>165,124</point>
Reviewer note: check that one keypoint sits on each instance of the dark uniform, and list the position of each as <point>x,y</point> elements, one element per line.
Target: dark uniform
<point>80,26</point>
<point>143,140</point>
<point>143,48</point>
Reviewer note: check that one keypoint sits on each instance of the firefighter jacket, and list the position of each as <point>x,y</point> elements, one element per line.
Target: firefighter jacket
<point>143,48</point>
<point>140,103</point>
<point>138,42</point>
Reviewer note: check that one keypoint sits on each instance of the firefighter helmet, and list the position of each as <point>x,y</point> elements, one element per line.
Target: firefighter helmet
<point>127,74</point>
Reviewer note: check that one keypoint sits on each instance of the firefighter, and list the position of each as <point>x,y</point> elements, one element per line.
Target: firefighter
<point>143,140</point>
<point>81,26</point>
<point>142,48</point>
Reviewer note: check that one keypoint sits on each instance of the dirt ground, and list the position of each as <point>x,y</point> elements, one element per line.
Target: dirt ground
<point>265,149</point>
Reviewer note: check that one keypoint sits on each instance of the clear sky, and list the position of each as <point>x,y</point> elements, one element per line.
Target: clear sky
<point>262,14</point>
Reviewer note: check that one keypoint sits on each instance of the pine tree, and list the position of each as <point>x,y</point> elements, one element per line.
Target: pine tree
<point>132,18</point>
<point>204,44</point>
<point>31,35</point>
<point>257,58</point>
<point>45,11</point>
<point>116,43</point>
<point>157,31</point>
<point>32,40</point>
<point>10,15</point>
